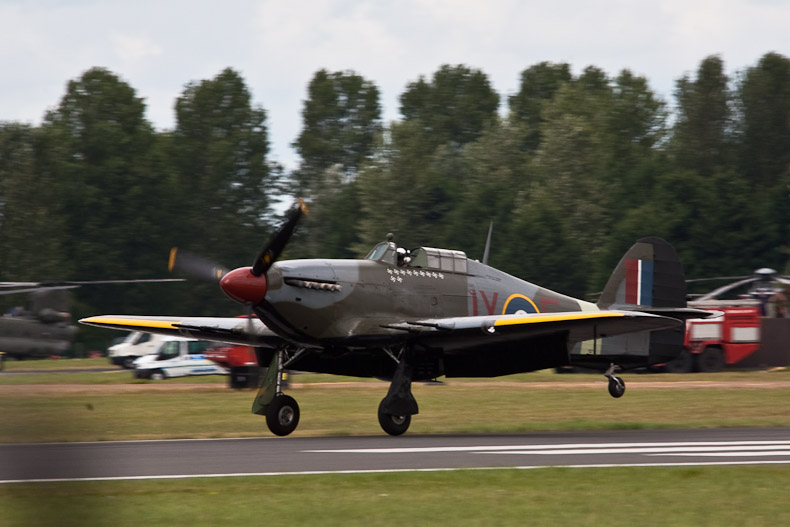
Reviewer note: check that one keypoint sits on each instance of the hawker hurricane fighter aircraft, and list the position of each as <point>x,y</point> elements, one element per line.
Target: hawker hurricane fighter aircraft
<point>416,315</point>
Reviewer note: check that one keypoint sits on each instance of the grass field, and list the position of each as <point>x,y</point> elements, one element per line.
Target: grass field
<point>99,406</point>
<point>704,496</point>
<point>94,405</point>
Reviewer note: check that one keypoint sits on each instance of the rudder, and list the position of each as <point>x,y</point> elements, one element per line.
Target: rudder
<point>650,274</point>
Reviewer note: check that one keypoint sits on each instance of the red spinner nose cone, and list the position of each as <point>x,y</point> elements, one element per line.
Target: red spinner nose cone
<point>243,286</point>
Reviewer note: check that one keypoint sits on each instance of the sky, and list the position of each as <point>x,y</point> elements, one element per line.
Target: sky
<point>277,46</point>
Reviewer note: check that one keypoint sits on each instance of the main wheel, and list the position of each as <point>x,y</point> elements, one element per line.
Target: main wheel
<point>128,362</point>
<point>683,363</point>
<point>282,415</point>
<point>711,360</point>
<point>157,375</point>
<point>394,425</point>
<point>616,387</point>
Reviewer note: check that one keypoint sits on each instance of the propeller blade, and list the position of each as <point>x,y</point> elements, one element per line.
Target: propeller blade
<point>277,243</point>
<point>195,266</point>
<point>248,285</point>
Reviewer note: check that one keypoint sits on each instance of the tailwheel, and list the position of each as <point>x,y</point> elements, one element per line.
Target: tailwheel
<point>282,415</point>
<point>616,387</point>
<point>394,425</point>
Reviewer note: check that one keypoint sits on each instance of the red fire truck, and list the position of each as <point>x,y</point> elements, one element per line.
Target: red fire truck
<point>241,362</point>
<point>712,344</point>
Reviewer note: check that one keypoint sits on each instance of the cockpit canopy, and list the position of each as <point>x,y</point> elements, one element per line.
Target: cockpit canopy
<point>421,257</point>
<point>440,259</point>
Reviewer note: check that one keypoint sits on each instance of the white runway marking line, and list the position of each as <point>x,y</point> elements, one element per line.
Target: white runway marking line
<point>708,448</point>
<point>392,471</point>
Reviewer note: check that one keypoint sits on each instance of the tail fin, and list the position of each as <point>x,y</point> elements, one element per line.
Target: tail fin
<point>649,275</point>
<point>649,278</point>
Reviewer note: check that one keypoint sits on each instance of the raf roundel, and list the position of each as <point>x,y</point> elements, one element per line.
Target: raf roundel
<point>519,305</point>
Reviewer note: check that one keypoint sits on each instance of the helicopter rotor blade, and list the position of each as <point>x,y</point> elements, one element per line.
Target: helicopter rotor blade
<point>32,287</point>
<point>723,289</point>
<point>35,289</point>
<point>713,278</point>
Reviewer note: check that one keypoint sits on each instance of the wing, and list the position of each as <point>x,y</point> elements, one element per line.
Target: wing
<point>578,326</point>
<point>245,331</point>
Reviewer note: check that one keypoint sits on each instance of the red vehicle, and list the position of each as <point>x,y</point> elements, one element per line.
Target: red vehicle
<point>712,344</point>
<point>241,362</point>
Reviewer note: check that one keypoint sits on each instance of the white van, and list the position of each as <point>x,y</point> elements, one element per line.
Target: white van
<point>135,345</point>
<point>177,357</point>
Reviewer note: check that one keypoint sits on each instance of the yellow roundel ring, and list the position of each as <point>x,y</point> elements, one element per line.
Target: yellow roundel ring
<point>518,302</point>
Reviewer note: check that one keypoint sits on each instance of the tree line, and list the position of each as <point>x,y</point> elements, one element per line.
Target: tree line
<point>571,172</point>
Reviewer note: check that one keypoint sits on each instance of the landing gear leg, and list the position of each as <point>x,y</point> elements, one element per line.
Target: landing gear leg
<point>281,411</point>
<point>399,405</point>
<point>616,384</point>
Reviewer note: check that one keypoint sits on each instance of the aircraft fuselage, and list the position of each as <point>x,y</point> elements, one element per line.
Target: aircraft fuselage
<point>325,300</point>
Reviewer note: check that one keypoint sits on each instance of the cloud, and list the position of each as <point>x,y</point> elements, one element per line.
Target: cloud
<point>134,49</point>
<point>277,45</point>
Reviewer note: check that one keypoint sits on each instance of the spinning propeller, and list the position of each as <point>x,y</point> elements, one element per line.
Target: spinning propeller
<point>246,285</point>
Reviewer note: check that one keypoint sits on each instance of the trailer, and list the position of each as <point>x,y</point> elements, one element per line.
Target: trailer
<point>712,344</point>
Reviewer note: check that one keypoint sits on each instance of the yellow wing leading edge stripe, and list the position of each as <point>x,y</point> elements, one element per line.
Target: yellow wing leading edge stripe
<point>538,319</point>
<point>130,322</point>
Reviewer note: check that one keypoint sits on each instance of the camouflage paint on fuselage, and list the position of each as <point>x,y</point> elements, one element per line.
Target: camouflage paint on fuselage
<point>338,299</point>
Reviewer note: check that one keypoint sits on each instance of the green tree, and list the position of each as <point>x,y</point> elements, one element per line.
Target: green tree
<point>416,175</point>
<point>763,95</point>
<point>702,138</point>
<point>29,210</point>
<point>99,153</point>
<point>496,177</point>
<point>406,188</point>
<point>455,107</point>
<point>764,101</point>
<point>547,253</point>
<point>571,163</point>
<point>341,119</point>
<point>219,150</point>
<point>538,85</point>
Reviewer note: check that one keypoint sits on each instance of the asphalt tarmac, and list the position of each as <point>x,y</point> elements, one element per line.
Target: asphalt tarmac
<point>272,456</point>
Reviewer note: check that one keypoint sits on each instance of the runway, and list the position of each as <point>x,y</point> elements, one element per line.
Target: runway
<point>320,455</point>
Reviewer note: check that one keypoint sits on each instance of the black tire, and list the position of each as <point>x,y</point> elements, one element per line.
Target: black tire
<point>616,387</point>
<point>157,375</point>
<point>683,363</point>
<point>128,362</point>
<point>394,425</point>
<point>711,360</point>
<point>282,415</point>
